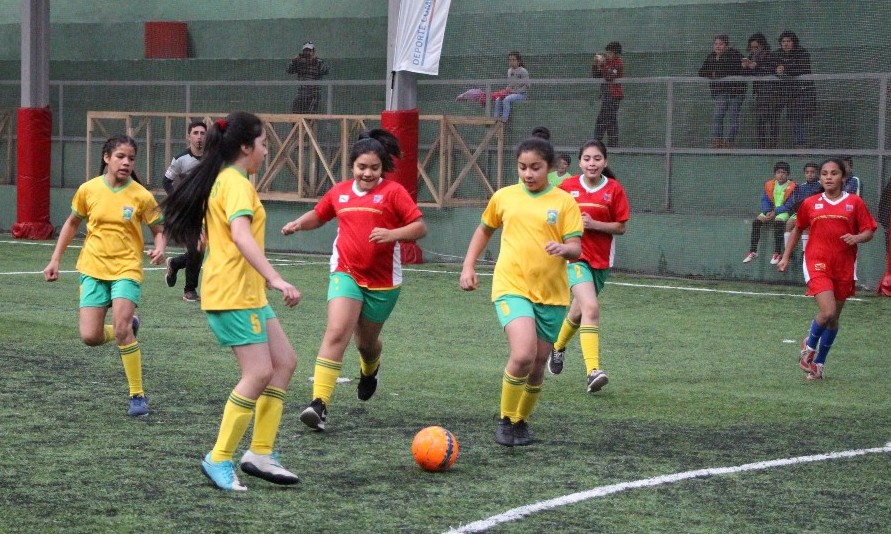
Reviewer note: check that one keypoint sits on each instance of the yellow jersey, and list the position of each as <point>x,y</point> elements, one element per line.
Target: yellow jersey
<point>113,247</point>
<point>229,281</point>
<point>529,221</point>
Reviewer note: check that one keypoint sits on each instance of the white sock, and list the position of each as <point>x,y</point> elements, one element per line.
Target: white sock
<point>786,238</point>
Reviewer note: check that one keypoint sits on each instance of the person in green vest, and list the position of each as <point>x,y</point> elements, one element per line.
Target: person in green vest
<point>773,214</point>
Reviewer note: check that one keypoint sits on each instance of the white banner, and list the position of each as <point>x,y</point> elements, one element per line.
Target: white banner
<point>419,34</point>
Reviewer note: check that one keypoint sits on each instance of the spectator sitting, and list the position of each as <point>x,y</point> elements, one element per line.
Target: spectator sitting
<point>811,186</point>
<point>561,171</point>
<point>728,96</point>
<point>517,85</point>
<point>852,184</point>
<point>777,191</point>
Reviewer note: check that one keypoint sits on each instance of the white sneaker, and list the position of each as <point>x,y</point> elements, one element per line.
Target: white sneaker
<point>775,259</point>
<point>750,257</point>
<point>267,467</point>
<point>596,380</point>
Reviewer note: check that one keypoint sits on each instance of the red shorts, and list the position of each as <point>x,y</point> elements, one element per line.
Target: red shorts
<point>820,282</point>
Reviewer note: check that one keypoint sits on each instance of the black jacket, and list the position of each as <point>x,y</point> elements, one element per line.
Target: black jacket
<point>728,64</point>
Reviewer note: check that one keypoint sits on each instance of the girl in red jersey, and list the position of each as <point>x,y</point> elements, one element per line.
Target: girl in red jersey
<point>837,222</point>
<point>605,211</point>
<point>373,216</point>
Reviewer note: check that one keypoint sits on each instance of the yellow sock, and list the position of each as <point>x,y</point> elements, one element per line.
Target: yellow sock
<point>511,391</point>
<point>236,418</point>
<point>528,402</point>
<point>368,368</point>
<point>589,337</point>
<point>568,330</point>
<point>326,374</point>
<point>267,417</point>
<point>109,333</point>
<point>131,357</point>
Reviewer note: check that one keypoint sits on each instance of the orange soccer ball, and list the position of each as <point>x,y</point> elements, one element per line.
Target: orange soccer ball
<point>434,448</point>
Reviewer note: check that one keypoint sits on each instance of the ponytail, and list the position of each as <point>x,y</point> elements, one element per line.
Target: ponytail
<point>185,208</point>
<point>380,142</point>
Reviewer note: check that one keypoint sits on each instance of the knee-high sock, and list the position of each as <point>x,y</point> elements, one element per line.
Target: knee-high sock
<point>236,418</point>
<point>816,332</point>
<point>826,341</point>
<point>368,368</point>
<point>108,330</point>
<point>528,401</point>
<point>267,417</point>
<point>324,378</point>
<point>511,390</point>
<point>131,357</point>
<point>589,337</point>
<point>568,330</point>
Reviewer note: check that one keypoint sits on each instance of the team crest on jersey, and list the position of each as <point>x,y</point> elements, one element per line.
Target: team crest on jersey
<point>818,206</point>
<point>575,194</point>
<point>377,199</point>
<point>128,213</point>
<point>606,197</point>
<point>819,266</point>
<point>552,217</point>
<point>849,207</point>
<point>343,198</point>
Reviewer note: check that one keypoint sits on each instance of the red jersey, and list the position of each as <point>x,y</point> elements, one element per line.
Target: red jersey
<point>828,220</point>
<point>388,205</point>
<point>606,203</point>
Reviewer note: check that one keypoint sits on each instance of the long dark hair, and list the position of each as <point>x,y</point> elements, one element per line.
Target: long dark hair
<point>111,144</point>
<point>380,142</point>
<point>599,145</point>
<point>184,209</point>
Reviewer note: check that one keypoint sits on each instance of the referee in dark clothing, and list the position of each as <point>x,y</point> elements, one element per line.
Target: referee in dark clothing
<point>177,172</point>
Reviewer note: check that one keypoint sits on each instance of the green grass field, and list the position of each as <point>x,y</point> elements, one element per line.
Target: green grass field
<point>698,380</point>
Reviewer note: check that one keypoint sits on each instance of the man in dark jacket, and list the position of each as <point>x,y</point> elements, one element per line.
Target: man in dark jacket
<point>728,95</point>
<point>307,67</point>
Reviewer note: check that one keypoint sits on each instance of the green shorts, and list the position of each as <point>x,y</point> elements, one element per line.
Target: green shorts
<point>377,304</point>
<point>95,293</point>
<point>548,319</point>
<point>234,328</point>
<point>580,272</point>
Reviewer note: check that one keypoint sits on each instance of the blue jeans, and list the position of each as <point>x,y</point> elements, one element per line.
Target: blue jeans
<point>502,106</point>
<point>726,105</point>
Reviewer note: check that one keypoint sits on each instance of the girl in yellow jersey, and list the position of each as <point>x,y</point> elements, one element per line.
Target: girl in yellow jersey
<point>115,206</point>
<point>233,294</point>
<point>542,228</point>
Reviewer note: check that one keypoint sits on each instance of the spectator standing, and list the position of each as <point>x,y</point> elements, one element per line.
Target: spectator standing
<point>724,61</point>
<point>178,171</point>
<point>609,67</point>
<point>307,67</point>
<point>798,97</point>
<point>761,63</point>
<point>777,191</point>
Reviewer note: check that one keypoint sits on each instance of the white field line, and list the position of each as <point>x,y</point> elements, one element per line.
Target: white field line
<point>602,491</point>
<point>296,262</point>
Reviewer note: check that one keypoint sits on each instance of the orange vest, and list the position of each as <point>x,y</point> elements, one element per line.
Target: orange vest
<point>768,190</point>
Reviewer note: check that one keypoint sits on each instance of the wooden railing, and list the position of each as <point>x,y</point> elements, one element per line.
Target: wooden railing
<point>301,165</point>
